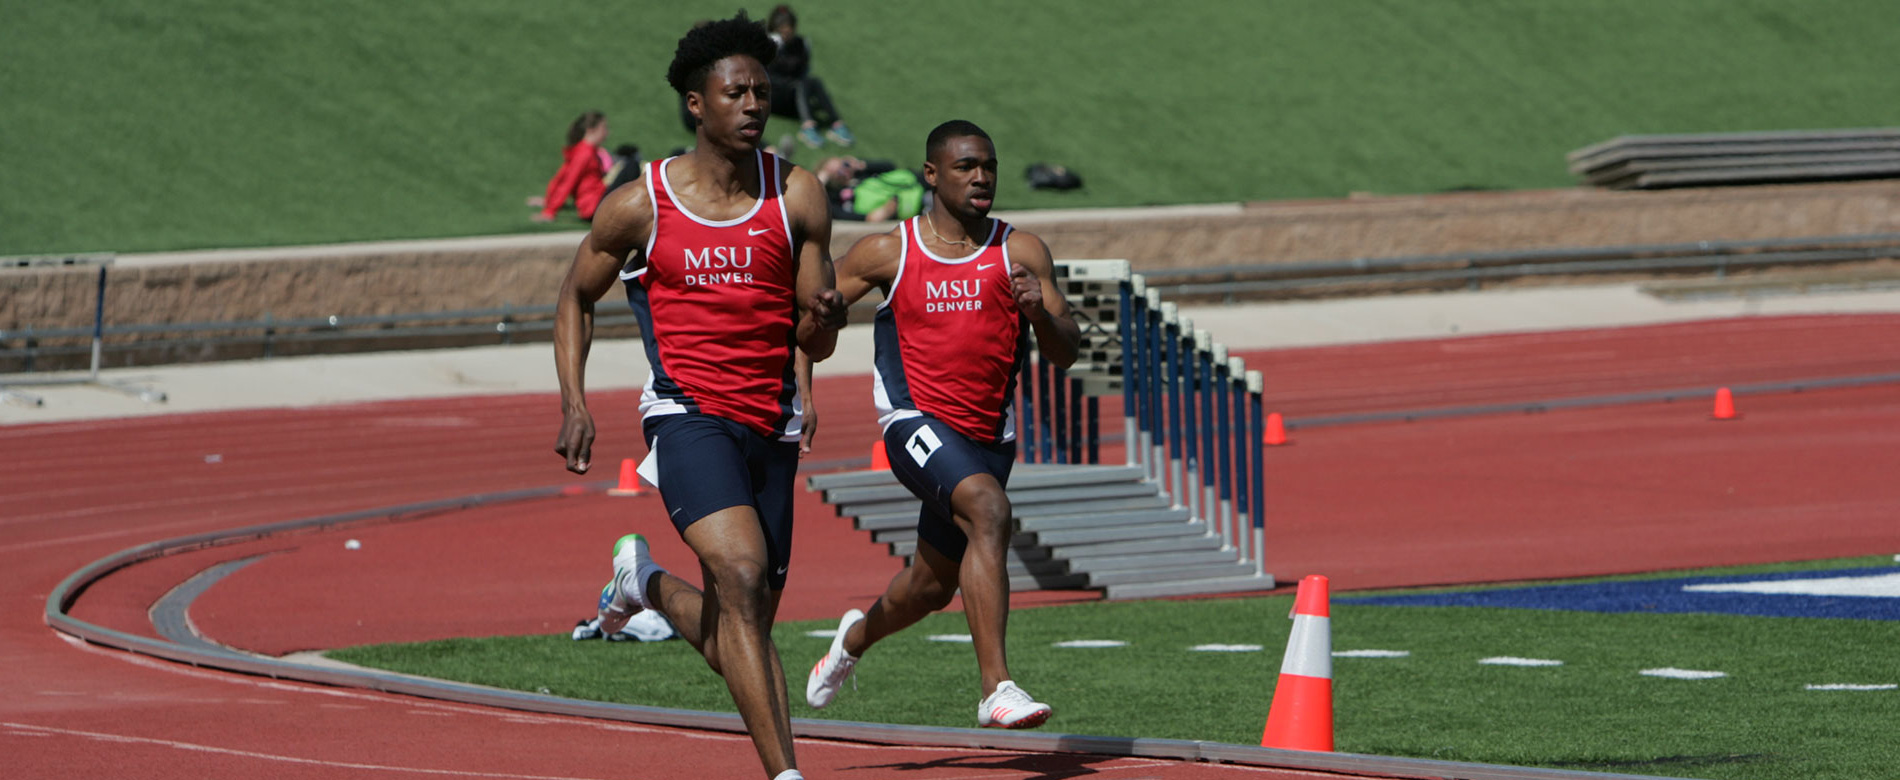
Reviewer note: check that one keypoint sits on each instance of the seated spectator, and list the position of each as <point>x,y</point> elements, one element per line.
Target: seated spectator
<point>626,168</point>
<point>870,191</point>
<point>582,176</point>
<point>795,91</point>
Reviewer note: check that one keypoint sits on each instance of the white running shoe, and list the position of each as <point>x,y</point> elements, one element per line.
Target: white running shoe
<point>623,597</point>
<point>827,676</point>
<point>1010,708</point>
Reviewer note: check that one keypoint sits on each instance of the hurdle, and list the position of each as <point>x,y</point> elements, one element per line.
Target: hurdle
<point>1181,512</point>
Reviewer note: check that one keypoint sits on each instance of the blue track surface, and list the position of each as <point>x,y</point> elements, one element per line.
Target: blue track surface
<point>1669,597</point>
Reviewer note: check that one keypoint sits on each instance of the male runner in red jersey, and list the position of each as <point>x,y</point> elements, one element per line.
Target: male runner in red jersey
<point>725,255</point>
<point>962,293</point>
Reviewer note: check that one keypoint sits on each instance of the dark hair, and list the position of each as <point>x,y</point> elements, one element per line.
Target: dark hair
<point>586,122</point>
<point>780,16</point>
<point>955,128</point>
<point>706,44</point>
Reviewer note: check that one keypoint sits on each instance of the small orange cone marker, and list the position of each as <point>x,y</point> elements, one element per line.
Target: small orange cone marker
<point>1276,431</point>
<point>879,460</point>
<point>1301,717</point>
<point>1724,405</point>
<point>629,480</point>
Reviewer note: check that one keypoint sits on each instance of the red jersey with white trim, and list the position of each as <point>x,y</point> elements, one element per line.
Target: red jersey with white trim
<point>949,338</point>
<point>715,302</point>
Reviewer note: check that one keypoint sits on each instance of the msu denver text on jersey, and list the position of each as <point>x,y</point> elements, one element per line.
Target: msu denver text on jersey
<point>953,295</point>
<point>711,266</point>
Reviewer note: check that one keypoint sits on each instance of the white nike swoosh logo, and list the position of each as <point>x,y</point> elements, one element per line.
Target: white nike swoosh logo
<point>982,267</point>
<point>759,232</point>
<point>781,569</point>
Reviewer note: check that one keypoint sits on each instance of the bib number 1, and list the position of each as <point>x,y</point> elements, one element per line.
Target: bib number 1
<point>923,444</point>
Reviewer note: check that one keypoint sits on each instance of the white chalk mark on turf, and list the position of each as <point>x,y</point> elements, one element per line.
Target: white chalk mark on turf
<point>1226,648</point>
<point>1851,687</point>
<point>1091,643</point>
<point>197,748</point>
<point>1372,653</point>
<point>1508,660</point>
<point>823,633</point>
<point>1870,586</point>
<point>1682,674</point>
<point>949,638</point>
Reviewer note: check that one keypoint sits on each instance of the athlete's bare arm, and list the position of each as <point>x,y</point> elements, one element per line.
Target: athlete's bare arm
<point>821,311</point>
<point>871,262</point>
<point>621,227</point>
<point>1032,274</point>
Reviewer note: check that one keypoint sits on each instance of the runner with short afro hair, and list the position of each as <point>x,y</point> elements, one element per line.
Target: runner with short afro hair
<point>715,41</point>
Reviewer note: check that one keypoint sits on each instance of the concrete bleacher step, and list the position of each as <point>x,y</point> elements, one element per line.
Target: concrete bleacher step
<point>1689,160</point>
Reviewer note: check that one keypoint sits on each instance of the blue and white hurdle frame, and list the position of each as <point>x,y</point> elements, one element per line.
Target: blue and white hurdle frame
<point>1191,412</point>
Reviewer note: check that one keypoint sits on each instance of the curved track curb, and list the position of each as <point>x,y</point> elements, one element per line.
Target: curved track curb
<point>211,656</point>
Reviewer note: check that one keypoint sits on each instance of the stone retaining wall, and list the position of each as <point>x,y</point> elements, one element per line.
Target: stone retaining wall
<point>396,277</point>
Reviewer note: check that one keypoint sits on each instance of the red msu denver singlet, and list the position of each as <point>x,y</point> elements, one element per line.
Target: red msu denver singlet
<point>950,341</point>
<point>715,302</point>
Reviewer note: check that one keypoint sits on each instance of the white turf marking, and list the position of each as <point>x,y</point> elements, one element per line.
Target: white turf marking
<point>823,633</point>
<point>1682,674</point>
<point>1885,586</point>
<point>1850,687</point>
<point>1092,643</point>
<point>1226,648</point>
<point>196,748</point>
<point>1507,660</point>
<point>950,638</point>
<point>1372,654</point>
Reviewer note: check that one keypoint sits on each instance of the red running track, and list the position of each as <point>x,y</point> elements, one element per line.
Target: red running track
<point>1617,489</point>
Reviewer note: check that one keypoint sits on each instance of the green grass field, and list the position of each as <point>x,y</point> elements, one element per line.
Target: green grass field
<point>1595,712</point>
<point>216,123</point>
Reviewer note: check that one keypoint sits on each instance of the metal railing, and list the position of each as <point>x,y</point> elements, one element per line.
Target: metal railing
<point>1472,270</point>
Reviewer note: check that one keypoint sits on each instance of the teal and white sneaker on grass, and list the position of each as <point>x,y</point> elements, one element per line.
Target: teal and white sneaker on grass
<point>1011,708</point>
<point>827,676</point>
<point>624,597</point>
<point>841,135</point>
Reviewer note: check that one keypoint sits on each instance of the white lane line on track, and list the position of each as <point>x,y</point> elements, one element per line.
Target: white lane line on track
<point>1507,660</point>
<point>1681,674</point>
<point>197,748</point>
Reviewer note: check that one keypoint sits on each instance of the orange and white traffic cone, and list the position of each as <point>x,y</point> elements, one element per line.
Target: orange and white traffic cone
<point>1724,405</point>
<point>1301,717</point>
<point>629,480</point>
<point>879,460</point>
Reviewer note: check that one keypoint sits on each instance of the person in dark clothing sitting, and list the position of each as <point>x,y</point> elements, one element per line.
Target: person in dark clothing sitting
<point>795,91</point>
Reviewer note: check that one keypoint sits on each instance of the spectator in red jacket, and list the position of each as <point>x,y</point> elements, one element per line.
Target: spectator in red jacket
<point>583,172</point>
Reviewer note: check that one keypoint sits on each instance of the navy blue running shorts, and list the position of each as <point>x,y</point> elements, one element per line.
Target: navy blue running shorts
<point>708,463</point>
<point>931,459</point>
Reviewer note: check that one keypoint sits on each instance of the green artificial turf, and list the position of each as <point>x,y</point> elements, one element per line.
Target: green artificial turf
<point>217,123</point>
<point>1594,712</point>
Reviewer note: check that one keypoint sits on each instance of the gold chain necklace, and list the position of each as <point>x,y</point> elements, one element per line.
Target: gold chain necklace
<point>946,242</point>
